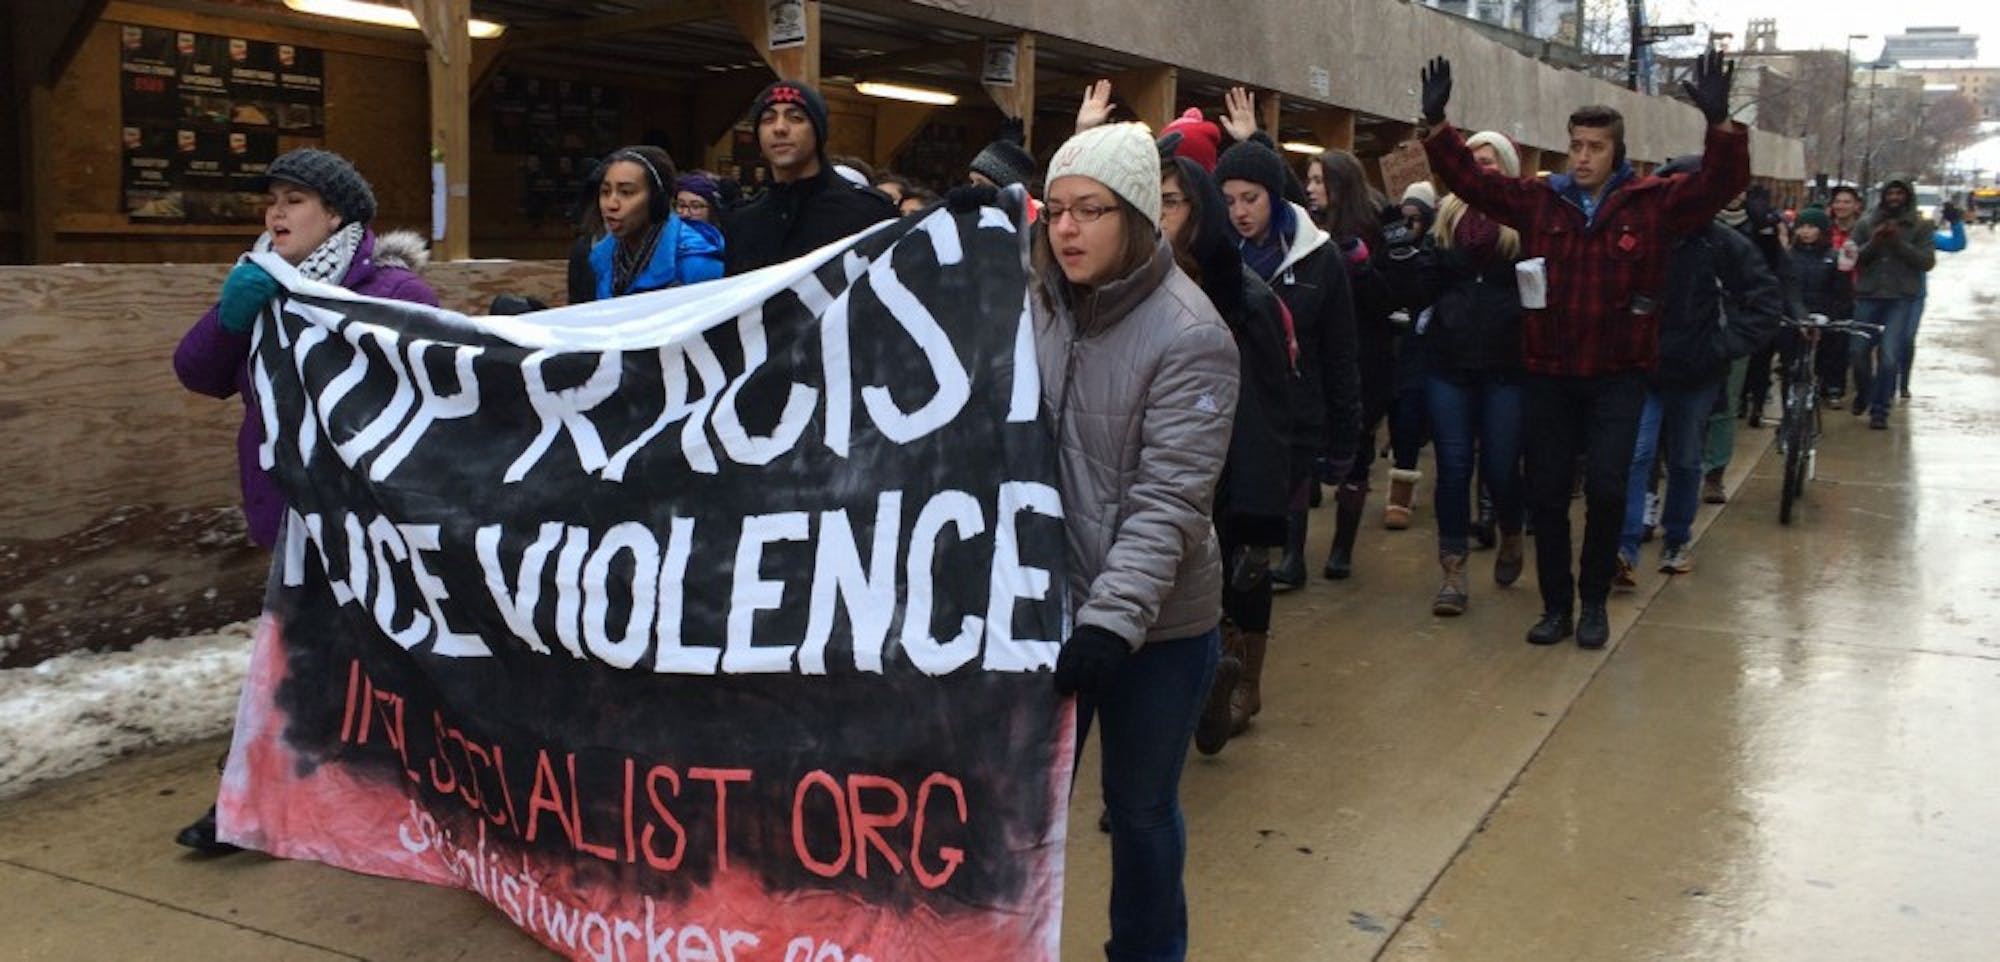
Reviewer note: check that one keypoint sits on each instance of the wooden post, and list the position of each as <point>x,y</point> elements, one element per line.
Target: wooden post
<point>1014,101</point>
<point>445,25</point>
<point>1531,160</point>
<point>38,165</point>
<point>1269,109</point>
<point>895,125</point>
<point>801,62</point>
<point>1149,91</point>
<point>1334,126</point>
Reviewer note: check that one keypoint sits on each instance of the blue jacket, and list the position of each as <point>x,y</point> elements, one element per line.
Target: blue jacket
<point>689,252</point>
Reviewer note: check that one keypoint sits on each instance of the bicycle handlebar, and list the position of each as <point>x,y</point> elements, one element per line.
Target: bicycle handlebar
<point>1820,322</point>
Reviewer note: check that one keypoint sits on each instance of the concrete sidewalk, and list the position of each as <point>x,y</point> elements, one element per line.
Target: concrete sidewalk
<point>1784,755</point>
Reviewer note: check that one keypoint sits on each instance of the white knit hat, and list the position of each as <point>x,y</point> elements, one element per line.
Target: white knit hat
<point>1423,191</point>
<point>1510,159</point>
<point>1122,157</point>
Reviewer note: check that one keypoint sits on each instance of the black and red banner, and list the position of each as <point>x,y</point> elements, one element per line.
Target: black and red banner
<point>713,623</point>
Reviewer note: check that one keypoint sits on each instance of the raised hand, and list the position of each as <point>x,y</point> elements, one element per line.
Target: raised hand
<point>1096,108</point>
<point>1239,114</point>
<point>1437,89</point>
<point>1709,90</point>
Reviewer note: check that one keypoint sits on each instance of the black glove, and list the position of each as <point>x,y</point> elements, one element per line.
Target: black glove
<point>1952,214</point>
<point>1250,569</point>
<point>1709,89</point>
<point>1437,89</point>
<point>1013,131</point>
<point>971,197</point>
<point>1088,660</point>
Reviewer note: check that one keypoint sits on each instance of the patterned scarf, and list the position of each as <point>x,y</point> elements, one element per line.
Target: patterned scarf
<point>628,260</point>
<point>329,261</point>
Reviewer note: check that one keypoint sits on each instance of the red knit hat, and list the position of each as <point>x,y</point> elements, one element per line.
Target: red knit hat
<point>1201,139</point>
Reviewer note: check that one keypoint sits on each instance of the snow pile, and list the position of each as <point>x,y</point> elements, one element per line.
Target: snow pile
<point>78,711</point>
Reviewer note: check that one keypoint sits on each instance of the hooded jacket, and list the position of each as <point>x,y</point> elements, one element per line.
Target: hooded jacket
<point>1893,266</point>
<point>1140,379</point>
<point>1817,284</point>
<point>1312,280</point>
<point>795,219</point>
<point>688,252</point>
<point>1722,303</point>
<point>215,362</point>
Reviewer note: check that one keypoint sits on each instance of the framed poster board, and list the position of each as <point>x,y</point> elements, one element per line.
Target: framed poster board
<point>202,116</point>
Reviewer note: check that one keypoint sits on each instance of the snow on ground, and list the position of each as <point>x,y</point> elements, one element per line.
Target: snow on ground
<point>75,712</point>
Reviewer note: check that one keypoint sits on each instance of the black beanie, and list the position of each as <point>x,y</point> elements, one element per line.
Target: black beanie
<point>1005,163</point>
<point>1255,163</point>
<point>793,92</point>
<point>330,175</point>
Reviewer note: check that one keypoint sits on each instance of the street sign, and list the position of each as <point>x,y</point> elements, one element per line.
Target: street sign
<point>1657,32</point>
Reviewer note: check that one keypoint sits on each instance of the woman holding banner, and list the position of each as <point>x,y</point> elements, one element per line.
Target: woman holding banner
<point>646,246</point>
<point>1140,376</point>
<point>316,218</point>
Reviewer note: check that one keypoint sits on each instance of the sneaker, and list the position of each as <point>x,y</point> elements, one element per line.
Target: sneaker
<point>1676,559</point>
<point>1622,580</point>
<point>1878,422</point>
<point>1835,399</point>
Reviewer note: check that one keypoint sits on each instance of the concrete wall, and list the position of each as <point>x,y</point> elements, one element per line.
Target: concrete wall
<point>1373,50</point>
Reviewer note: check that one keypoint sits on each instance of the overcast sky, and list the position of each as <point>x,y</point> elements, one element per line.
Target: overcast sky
<point>1805,24</point>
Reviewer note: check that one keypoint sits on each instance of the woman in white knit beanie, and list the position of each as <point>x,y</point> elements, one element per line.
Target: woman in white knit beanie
<point>1139,376</point>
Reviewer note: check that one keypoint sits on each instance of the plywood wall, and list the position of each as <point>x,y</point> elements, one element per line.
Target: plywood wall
<point>119,517</point>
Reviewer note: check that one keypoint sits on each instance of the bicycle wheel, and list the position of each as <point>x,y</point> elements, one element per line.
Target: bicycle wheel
<point>1797,436</point>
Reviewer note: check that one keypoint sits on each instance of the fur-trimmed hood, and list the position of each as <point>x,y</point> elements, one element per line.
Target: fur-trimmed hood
<point>402,248</point>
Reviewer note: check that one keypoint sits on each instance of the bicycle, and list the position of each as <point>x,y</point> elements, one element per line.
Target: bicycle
<point>1799,426</point>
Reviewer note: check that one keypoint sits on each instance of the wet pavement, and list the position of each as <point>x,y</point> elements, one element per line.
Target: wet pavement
<point>1783,755</point>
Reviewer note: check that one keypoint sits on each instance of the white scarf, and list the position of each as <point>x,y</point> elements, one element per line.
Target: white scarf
<point>329,261</point>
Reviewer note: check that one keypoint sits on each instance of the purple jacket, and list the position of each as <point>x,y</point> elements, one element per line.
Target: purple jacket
<point>215,362</point>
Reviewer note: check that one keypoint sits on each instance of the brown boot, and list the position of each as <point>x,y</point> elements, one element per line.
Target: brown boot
<point>1508,562</point>
<point>1712,491</point>
<point>1451,596</point>
<point>1402,496</point>
<point>1249,697</point>
<point>1218,715</point>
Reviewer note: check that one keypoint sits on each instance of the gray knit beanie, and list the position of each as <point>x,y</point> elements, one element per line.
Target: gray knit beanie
<point>328,173</point>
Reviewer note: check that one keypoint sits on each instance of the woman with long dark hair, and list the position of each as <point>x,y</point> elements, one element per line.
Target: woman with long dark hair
<point>1251,498</point>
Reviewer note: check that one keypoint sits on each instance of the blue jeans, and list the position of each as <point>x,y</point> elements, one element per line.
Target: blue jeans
<point>1674,422</point>
<point>1471,409</point>
<point>1148,714</point>
<point>1875,379</point>
<point>1909,354</point>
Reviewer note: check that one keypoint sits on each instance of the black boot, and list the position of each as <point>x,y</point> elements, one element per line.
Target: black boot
<point>1593,630</point>
<point>1554,627</point>
<point>200,836</point>
<point>1291,570</point>
<point>1340,558</point>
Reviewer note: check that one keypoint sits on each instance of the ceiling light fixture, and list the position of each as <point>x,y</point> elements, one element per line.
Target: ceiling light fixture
<point>1301,147</point>
<point>915,95</point>
<point>383,15</point>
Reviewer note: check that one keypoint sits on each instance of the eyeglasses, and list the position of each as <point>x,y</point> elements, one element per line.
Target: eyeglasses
<point>690,207</point>
<point>1173,201</point>
<point>1082,213</point>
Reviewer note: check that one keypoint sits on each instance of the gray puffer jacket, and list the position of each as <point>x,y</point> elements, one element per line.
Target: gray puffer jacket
<point>1141,378</point>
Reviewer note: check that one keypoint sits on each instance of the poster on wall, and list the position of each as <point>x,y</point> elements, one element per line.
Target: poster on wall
<point>747,655</point>
<point>560,128</point>
<point>201,117</point>
<point>787,20</point>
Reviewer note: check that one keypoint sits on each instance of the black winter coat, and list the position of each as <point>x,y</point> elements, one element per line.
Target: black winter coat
<point>1475,323</point>
<point>1255,490</point>
<point>1722,303</point>
<point>1326,395</point>
<point>790,220</point>
<point>1818,286</point>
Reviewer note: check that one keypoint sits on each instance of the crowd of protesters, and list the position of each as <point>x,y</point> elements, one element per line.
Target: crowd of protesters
<point>1247,337</point>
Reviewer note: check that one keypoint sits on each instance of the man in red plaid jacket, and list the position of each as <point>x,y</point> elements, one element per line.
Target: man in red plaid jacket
<point>1600,236</point>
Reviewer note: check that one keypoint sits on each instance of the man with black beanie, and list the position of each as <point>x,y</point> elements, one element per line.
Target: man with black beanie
<point>808,205</point>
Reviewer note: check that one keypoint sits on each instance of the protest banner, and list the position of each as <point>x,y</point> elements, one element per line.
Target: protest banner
<point>713,623</point>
